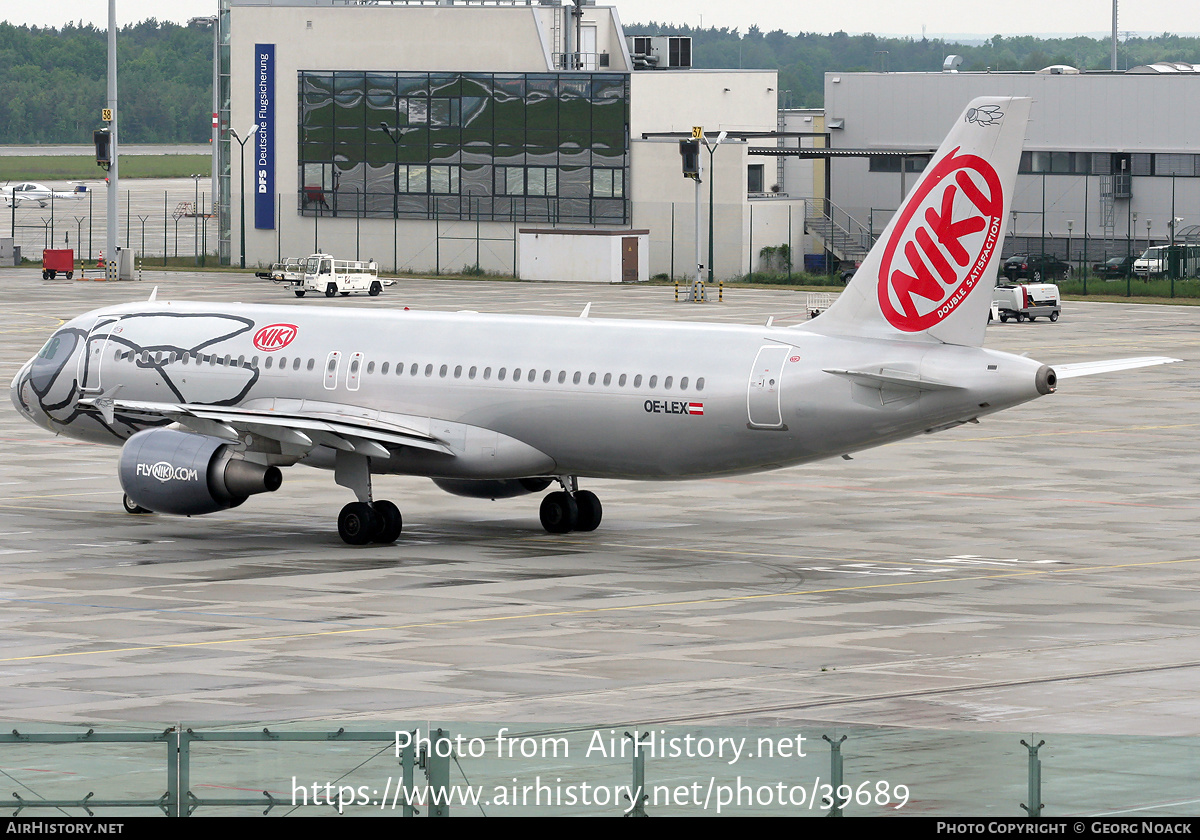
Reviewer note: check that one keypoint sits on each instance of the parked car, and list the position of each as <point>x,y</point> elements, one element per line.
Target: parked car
<point>1152,263</point>
<point>1114,268</point>
<point>1023,267</point>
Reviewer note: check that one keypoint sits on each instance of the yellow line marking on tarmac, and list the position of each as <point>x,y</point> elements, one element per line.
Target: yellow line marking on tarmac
<point>589,611</point>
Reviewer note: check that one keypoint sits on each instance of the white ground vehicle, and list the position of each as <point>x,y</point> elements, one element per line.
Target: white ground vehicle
<point>1031,301</point>
<point>1152,263</point>
<point>322,273</point>
<point>289,272</point>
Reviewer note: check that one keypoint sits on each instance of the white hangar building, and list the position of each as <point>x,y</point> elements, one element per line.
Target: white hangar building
<point>1110,158</point>
<point>424,135</point>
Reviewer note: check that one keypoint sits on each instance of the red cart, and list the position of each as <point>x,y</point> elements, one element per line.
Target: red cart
<point>55,260</point>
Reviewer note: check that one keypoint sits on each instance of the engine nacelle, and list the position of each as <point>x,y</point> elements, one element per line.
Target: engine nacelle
<point>492,488</point>
<point>169,471</point>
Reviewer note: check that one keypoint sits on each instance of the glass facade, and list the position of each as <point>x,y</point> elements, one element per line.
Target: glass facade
<point>511,147</point>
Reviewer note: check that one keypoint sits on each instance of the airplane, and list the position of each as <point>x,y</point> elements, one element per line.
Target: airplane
<point>41,194</point>
<point>209,402</point>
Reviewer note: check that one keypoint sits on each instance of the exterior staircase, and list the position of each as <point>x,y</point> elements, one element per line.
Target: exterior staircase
<point>840,233</point>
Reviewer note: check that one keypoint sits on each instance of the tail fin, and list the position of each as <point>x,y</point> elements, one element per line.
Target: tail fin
<point>932,271</point>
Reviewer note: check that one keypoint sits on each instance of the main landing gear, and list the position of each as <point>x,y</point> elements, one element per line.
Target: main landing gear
<point>360,523</point>
<point>366,520</point>
<point>571,509</point>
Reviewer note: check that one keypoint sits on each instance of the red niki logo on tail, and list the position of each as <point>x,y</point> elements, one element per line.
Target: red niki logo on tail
<point>274,337</point>
<point>946,236</point>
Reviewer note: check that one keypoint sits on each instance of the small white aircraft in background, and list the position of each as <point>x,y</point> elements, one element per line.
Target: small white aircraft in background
<point>29,192</point>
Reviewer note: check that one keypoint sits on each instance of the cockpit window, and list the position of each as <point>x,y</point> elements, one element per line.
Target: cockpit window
<point>50,360</point>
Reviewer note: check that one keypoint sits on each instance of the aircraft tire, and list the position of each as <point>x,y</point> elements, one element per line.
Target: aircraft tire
<point>330,289</point>
<point>299,292</point>
<point>590,511</point>
<point>132,507</point>
<point>559,513</point>
<point>390,522</point>
<point>357,523</point>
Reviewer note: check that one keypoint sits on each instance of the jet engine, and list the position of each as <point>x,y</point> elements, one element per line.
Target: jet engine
<point>169,471</point>
<point>495,488</point>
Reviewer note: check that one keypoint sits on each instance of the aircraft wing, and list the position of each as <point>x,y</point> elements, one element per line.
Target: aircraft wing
<point>298,423</point>
<point>1109,365</point>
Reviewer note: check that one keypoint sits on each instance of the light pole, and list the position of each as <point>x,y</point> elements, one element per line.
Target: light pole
<point>1070,228</point>
<point>196,219</point>
<point>242,212</point>
<point>712,150</point>
<point>395,135</point>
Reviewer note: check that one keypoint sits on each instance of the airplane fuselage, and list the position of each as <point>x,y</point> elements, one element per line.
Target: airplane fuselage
<point>515,396</point>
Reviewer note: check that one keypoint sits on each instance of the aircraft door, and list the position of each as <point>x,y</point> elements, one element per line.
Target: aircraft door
<point>762,398</point>
<point>331,370</point>
<point>354,372</point>
<point>95,351</point>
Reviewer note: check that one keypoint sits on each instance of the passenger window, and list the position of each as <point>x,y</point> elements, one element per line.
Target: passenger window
<point>442,371</point>
<point>500,374</point>
<point>296,363</point>
<point>471,372</point>
<point>637,381</point>
<point>591,379</point>
<point>667,382</point>
<point>546,376</point>
<point>383,369</point>
<point>653,381</point>
<point>458,371</point>
<point>562,377</point>
<point>700,384</point>
<point>413,370</point>
<point>621,381</point>
<point>516,375</point>
<point>487,373</point>
<point>370,367</point>
<point>267,364</point>
<point>575,379</point>
<point>311,363</point>
<point>607,379</point>
<point>683,384</point>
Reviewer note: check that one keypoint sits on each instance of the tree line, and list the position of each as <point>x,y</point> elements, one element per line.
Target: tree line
<point>53,81</point>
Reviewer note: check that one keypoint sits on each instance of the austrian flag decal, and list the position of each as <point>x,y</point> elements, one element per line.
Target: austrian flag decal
<point>942,243</point>
<point>274,337</point>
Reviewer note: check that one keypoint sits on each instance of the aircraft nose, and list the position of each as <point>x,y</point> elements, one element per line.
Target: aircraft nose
<point>20,393</point>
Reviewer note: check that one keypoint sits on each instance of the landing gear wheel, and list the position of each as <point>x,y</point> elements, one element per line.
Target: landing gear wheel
<point>590,511</point>
<point>299,292</point>
<point>559,513</point>
<point>1053,316</point>
<point>390,522</point>
<point>131,506</point>
<point>357,523</point>
<point>375,288</point>
<point>330,289</point>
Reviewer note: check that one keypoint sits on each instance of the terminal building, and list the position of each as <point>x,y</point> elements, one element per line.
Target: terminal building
<point>426,135</point>
<point>1111,160</point>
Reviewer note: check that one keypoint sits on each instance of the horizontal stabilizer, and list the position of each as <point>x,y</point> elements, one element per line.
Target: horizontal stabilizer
<point>882,377</point>
<point>1109,365</point>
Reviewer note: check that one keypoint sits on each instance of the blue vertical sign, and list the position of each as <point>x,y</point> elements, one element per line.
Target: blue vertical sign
<point>264,138</point>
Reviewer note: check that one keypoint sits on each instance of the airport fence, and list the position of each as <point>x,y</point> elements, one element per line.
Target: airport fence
<point>169,224</point>
<point>438,769</point>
